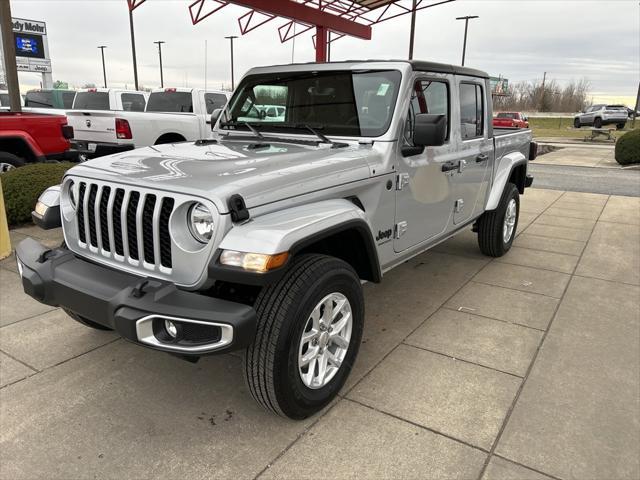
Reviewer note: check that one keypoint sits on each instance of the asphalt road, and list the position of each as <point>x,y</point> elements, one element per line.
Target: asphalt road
<point>607,181</point>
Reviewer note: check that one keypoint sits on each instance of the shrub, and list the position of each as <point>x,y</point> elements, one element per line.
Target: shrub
<point>22,187</point>
<point>628,148</point>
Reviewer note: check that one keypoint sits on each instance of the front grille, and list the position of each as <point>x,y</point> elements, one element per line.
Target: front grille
<point>127,225</point>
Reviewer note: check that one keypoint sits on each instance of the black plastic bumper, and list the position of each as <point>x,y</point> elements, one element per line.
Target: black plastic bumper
<point>98,149</point>
<point>119,300</point>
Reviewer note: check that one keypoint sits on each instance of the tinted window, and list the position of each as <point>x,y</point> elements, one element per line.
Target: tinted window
<point>429,97</point>
<point>4,99</point>
<point>91,101</point>
<point>506,115</point>
<point>335,102</point>
<point>616,107</point>
<point>67,99</point>
<point>133,102</point>
<point>39,99</point>
<point>169,101</point>
<point>214,100</point>
<point>471,111</point>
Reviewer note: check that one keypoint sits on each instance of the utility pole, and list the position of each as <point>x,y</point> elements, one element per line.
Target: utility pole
<point>104,69</point>
<point>544,80</point>
<point>231,38</point>
<point>9,53</point>
<point>413,28</point>
<point>635,110</point>
<point>159,43</point>
<point>133,49</point>
<point>466,27</point>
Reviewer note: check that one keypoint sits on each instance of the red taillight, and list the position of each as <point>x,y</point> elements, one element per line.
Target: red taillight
<point>123,130</point>
<point>92,90</point>
<point>172,90</point>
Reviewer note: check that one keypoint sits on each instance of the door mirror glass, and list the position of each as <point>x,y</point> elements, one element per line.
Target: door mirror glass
<point>214,117</point>
<point>430,130</point>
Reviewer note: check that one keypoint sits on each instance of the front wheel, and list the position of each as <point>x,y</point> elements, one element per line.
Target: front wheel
<point>9,161</point>
<point>620,126</point>
<point>497,228</point>
<point>576,123</point>
<point>597,123</point>
<point>309,330</point>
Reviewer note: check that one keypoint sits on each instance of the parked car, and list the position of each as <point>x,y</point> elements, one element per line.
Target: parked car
<point>110,99</point>
<point>171,115</point>
<point>259,238</point>
<point>33,137</point>
<point>600,115</point>
<point>510,120</point>
<point>49,100</point>
<point>4,100</point>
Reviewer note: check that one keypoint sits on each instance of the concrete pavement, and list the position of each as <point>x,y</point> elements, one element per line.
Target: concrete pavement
<point>527,366</point>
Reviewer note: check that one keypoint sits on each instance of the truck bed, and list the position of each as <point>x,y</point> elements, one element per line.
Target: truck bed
<point>508,140</point>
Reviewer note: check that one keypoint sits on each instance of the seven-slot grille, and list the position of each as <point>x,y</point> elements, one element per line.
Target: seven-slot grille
<point>125,224</point>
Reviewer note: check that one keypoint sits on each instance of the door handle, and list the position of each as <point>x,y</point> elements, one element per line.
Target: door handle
<point>449,166</point>
<point>483,157</point>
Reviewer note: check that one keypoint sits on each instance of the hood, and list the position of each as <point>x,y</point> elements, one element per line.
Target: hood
<point>218,170</point>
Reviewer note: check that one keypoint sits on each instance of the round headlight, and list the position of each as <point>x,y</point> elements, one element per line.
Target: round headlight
<point>72,194</point>
<point>200,223</point>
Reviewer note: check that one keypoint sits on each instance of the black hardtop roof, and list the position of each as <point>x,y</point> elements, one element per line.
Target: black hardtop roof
<point>417,65</point>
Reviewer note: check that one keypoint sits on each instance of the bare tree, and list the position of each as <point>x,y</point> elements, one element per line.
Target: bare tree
<point>531,96</point>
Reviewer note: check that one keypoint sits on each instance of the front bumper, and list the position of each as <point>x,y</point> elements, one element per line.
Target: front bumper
<point>133,306</point>
<point>87,150</point>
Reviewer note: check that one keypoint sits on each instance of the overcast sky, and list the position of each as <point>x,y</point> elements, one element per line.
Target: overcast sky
<point>518,39</point>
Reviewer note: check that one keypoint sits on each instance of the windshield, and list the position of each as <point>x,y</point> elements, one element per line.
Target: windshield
<point>170,101</point>
<point>91,101</point>
<point>348,103</point>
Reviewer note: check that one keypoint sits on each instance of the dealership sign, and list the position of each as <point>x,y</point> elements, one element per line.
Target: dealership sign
<point>32,48</point>
<point>499,85</point>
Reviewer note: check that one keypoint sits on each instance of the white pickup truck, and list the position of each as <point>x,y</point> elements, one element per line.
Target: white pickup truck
<point>110,99</point>
<point>171,115</point>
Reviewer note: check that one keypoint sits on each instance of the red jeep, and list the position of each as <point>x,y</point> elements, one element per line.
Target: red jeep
<point>510,120</point>
<point>33,137</point>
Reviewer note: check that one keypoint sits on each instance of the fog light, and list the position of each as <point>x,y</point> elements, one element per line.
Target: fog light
<point>171,328</point>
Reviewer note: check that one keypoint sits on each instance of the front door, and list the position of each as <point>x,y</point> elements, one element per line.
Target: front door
<point>471,182</point>
<point>423,190</point>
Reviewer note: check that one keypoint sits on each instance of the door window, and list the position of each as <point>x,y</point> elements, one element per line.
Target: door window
<point>471,111</point>
<point>214,100</point>
<point>429,96</point>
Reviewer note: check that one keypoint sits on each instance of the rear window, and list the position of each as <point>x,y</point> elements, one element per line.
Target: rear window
<point>506,115</point>
<point>39,99</point>
<point>67,99</point>
<point>616,107</point>
<point>4,99</point>
<point>91,101</point>
<point>133,102</point>
<point>170,102</point>
<point>214,100</point>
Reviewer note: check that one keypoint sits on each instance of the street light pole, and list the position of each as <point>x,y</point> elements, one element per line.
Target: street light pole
<point>412,34</point>
<point>231,38</point>
<point>104,70</point>
<point>159,43</point>
<point>466,27</point>
<point>133,49</point>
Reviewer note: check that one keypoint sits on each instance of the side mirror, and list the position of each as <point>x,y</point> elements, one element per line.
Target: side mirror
<point>429,130</point>
<point>214,116</point>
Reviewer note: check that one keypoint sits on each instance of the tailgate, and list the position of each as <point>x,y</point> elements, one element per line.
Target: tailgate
<point>93,126</point>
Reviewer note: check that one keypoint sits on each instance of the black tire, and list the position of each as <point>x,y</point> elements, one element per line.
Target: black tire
<point>491,223</point>
<point>86,322</point>
<point>576,123</point>
<point>620,126</point>
<point>597,123</point>
<point>271,361</point>
<point>10,159</point>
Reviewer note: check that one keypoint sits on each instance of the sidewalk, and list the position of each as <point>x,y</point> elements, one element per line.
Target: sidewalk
<point>527,366</point>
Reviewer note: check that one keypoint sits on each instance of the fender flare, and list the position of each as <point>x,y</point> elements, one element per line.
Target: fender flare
<point>292,230</point>
<point>24,137</point>
<point>503,171</point>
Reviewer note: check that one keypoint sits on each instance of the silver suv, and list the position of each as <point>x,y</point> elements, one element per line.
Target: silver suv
<point>259,238</point>
<point>599,115</point>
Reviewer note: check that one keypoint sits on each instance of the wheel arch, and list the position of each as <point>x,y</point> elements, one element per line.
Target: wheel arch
<point>170,137</point>
<point>512,168</point>
<point>22,145</point>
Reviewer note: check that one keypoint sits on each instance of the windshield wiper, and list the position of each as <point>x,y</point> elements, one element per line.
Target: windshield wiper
<point>253,130</point>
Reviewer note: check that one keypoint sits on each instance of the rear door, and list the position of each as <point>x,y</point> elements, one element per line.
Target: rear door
<point>471,180</point>
<point>423,190</point>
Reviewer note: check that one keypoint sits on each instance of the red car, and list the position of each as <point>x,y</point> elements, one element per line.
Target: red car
<point>33,137</point>
<point>510,120</point>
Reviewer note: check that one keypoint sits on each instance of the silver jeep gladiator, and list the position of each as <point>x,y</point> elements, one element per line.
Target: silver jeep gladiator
<point>260,237</point>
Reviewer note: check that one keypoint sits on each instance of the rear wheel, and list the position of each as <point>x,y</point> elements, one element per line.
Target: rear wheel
<point>309,330</point>
<point>576,123</point>
<point>597,122</point>
<point>9,161</point>
<point>497,228</point>
<point>620,126</point>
